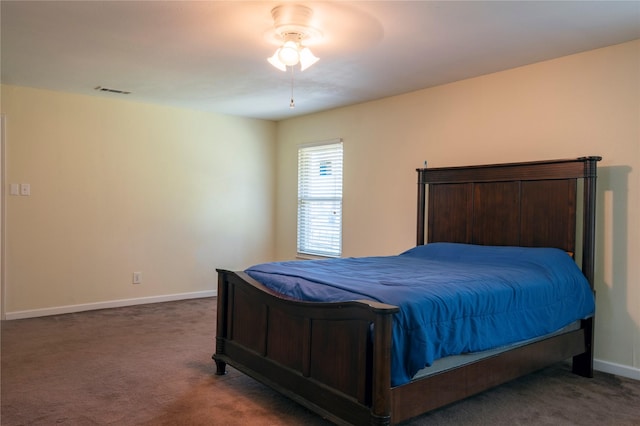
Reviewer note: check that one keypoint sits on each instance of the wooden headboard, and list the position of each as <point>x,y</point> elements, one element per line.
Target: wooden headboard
<point>530,204</point>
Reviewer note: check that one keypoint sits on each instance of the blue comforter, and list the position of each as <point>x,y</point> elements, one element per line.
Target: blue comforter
<point>453,298</point>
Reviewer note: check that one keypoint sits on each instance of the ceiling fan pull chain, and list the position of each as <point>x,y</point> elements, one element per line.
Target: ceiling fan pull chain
<point>292,104</point>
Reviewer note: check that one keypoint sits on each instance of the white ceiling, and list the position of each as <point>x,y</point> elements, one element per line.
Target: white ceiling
<point>211,55</point>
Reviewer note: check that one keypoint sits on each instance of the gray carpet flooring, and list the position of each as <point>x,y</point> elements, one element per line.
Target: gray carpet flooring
<point>151,365</point>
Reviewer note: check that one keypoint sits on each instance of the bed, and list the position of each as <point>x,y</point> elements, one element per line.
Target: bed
<point>340,358</point>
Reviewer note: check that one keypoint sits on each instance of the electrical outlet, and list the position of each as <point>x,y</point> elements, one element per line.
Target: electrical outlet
<point>137,277</point>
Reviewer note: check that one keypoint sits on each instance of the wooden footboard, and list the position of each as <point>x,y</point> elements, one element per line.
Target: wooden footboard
<point>333,358</point>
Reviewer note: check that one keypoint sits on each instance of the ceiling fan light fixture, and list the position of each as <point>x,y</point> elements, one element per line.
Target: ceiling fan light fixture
<point>292,26</point>
<point>291,54</point>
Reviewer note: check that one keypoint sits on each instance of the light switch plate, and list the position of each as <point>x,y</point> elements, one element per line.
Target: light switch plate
<point>25,189</point>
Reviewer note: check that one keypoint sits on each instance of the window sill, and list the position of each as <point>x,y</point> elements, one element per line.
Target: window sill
<point>304,256</point>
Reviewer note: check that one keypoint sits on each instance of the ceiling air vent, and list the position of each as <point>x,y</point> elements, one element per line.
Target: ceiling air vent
<point>106,89</point>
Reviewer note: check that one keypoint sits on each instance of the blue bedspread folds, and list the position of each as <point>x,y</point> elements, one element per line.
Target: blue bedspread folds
<point>453,298</point>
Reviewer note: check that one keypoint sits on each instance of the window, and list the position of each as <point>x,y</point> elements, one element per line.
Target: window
<point>320,199</point>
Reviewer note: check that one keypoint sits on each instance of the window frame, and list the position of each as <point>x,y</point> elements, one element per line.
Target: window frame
<point>319,199</point>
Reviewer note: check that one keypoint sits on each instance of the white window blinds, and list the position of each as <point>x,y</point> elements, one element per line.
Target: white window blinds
<point>320,199</point>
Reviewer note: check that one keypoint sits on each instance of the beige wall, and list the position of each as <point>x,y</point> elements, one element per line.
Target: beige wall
<point>118,187</point>
<point>584,104</point>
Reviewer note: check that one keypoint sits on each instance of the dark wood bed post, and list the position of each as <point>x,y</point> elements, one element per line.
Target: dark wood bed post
<point>421,207</point>
<point>381,383</point>
<point>221,324</point>
<point>583,364</point>
<point>589,217</point>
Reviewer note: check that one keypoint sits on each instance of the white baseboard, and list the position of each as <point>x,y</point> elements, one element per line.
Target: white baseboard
<point>57,310</point>
<point>617,369</point>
